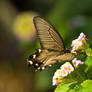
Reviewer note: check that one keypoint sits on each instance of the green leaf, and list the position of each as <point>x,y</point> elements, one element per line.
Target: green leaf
<point>88,70</point>
<point>86,86</point>
<point>63,87</point>
<point>88,61</point>
<point>76,88</point>
<point>89,51</point>
<point>89,73</point>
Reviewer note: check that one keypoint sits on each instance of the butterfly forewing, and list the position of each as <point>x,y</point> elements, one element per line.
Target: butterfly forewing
<point>47,34</point>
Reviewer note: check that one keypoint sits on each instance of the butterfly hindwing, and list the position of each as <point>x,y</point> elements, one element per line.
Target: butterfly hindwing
<point>42,59</point>
<point>46,58</point>
<point>55,56</point>
<point>65,56</point>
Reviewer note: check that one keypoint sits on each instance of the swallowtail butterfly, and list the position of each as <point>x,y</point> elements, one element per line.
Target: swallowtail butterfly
<point>52,46</point>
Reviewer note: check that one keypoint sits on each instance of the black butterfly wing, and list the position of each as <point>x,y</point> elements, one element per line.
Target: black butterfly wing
<point>47,34</point>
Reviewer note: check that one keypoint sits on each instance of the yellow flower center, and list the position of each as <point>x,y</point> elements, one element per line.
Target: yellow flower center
<point>65,68</point>
<point>64,72</point>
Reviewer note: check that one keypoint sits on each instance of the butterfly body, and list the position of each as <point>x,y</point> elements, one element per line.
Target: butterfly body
<point>52,46</point>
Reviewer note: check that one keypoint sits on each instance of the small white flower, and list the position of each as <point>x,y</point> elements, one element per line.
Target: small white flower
<point>67,68</point>
<point>74,42</point>
<point>58,73</point>
<point>64,73</point>
<point>82,36</point>
<point>80,62</point>
<point>70,69</point>
<point>56,80</point>
<point>76,62</point>
<point>65,65</point>
<point>78,44</point>
<point>73,50</point>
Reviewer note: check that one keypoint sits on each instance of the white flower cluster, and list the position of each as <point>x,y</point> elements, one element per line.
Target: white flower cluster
<point>78,43</point>
<point>64,71</point>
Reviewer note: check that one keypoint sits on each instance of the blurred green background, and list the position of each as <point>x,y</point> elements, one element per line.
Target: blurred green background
<point>18,38</point>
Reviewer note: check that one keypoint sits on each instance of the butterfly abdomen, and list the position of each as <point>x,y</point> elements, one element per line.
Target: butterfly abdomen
<point>32,60</point>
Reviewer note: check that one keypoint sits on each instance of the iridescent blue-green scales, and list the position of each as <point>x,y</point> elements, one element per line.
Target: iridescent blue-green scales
<point>52,46</point>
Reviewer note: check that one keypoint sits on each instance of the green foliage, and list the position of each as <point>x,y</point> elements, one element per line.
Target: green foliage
<point>64,87</point>
<point>88,61</point>
<point>88,70</point>
<point>85,86</point>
